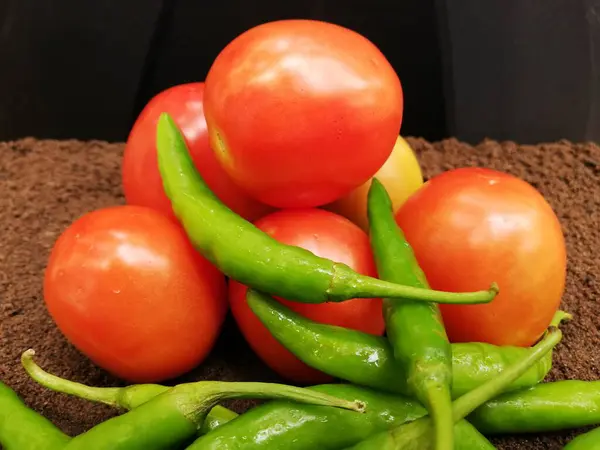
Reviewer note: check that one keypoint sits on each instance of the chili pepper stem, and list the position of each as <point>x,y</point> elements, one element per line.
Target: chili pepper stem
<point>347,284</point>
<point>216,391</point>
<point>108,396</point>
<point>440,408</point>
<point>559,317</point>
<point>212,389</point>
<point>127,397</point>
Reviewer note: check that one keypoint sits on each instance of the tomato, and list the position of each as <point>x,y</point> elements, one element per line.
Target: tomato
<point>469,227</point>
<point>142,183</point>
<point>401,175</point>
<point>327,235</point>
<point>301,112</point>
<point>126,288</point>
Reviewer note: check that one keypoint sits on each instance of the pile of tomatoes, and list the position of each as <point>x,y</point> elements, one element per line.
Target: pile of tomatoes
<point>291,123</point>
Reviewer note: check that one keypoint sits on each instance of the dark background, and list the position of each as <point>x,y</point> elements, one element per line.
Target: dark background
<point>525,70</point>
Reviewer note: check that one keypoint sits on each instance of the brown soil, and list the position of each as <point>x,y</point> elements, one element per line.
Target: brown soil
<point>44,185</point>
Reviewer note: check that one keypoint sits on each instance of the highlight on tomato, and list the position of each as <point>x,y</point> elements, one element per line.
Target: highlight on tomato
<point>471,226</point>
<point>301,112</point>
<point>401,176</point>
<point>125,287</point>
<point>141,179</point>
<point>327,235</point>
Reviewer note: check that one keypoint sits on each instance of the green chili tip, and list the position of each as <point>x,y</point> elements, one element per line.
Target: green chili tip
<point>586,441</point>
<point>23,428</point>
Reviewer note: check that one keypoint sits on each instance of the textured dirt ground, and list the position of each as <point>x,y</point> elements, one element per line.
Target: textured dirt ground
<point>44,185</point>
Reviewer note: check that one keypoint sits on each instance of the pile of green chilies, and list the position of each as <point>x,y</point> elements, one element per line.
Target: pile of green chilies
<point>409,390</point>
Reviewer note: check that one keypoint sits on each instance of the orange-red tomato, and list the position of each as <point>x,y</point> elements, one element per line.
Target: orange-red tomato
<point>142,184</point>
<point>301,112</point>
<point>469,227</point>
<point>327,235</point>
<point>400,175</point>
<point>125,287</point>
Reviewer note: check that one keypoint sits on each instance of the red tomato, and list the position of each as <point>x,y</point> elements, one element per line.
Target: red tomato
<point>301,112</point>
<point>400,175</point>
<point>327,235</point>
<point>469,227</point>
<point>125,287</point>
<point>141,179</point>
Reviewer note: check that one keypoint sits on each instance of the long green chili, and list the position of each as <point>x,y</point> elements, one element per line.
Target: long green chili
<point>368,360</point>
<point>248,255</point>
<point>414,329</point>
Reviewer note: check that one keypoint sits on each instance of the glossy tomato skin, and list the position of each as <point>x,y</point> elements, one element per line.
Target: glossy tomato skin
<point>328,235</point>
<point>125,287</point>
<point>301,112</point>
<point>142,183</point>
<point>469,227</point>
<point>400,175</point>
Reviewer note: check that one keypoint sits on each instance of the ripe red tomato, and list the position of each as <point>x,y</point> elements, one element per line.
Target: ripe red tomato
<point>400,175</point>
<point>125,287</point>
<point>471,226</point>
<point>301,112</point>
<point>328,235</point>
<point>142,184</point>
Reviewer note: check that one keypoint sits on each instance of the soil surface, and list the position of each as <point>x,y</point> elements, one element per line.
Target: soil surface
<point>45,185</point>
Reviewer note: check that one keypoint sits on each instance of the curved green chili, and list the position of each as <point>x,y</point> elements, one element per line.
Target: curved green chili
<point>547,407</point>
<point>414,329</point>
<point>290,426</point>
<point>21,428</point>
<point>368,360</point>
<point>417,434</point>
<point>585,441</point>
<point>174,416</point>
<point>246,254</point>
<point>127,397</point>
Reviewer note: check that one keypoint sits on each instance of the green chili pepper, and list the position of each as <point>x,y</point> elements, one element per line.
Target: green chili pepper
<point>127,397</point>
<point>284,425</point>
<point>368,360</point>
<point>585,441</point>
<point>417,435</point>
<point>414,329</point>
<point>547,407</point>
<point>21,428</point>
<point>246,254</point>
<point>174,416</point>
